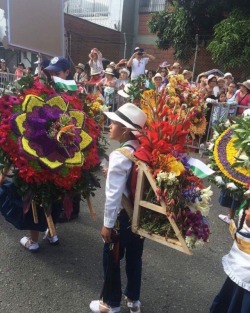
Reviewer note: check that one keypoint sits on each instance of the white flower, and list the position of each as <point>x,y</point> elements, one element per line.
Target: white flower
<point>215,135</point>
<point>227,123</point>
<point>231,186</point>
<point>104,108</point>
<point>247,193</point>
<point>206,193</point>
<point>204,204</point>
<point>193,243</point>
<point>243,157</point>
<point>172,176</point>
<point>168,178</point>
<point>219,180</point>
<point>210,146</point>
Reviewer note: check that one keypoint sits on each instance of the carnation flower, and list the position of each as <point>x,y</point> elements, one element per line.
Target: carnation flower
<point>215,135</point>
<point>210,146</point>
<point>227,124</point>
<point>231,186</point>
<point>219,180</point>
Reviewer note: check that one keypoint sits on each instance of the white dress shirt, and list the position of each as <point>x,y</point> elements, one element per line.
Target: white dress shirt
<point>118,173</point>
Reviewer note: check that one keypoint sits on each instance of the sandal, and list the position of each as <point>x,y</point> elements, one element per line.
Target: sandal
<point>134,306</point>
<point>30,245</point>
<point>97,306</point>
<point>224,218</point>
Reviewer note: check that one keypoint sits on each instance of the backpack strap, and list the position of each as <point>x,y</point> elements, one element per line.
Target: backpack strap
<point>126,203</point>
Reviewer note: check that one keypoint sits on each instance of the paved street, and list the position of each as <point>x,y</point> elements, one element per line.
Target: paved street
<point>66,278</point>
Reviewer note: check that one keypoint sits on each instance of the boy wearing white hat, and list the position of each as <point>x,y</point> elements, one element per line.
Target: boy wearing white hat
<point>127,121</point>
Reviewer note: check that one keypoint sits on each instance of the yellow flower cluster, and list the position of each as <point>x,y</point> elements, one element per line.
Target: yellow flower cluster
<point>198,126</point>
<point>231,153</point>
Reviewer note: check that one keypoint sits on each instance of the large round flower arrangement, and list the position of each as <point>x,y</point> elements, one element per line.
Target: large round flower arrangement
<point>49,143</point>
<point>163,148</point>
<point>229,154</point>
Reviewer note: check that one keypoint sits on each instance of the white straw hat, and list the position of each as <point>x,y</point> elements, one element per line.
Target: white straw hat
<point>130,116</point>
<point>125,91</point>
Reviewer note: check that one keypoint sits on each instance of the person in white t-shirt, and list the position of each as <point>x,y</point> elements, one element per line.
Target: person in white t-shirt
<point>138,62</point>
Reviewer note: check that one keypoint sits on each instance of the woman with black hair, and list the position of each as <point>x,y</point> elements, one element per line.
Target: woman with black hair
<point>234,296</point>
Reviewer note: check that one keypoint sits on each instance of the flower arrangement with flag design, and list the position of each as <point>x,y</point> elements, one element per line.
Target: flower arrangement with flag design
<point>49,143</point>
<point>229,154</point>
<point>179,179</point>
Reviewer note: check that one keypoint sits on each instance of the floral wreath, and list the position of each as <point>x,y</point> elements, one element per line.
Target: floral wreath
<point>50,142</point>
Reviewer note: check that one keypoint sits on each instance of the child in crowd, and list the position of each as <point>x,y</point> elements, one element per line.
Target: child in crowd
<point>126,122</point>
<point>19,70</point>
<point>220,108</point>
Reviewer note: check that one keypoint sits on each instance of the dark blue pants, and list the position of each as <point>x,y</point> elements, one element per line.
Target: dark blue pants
<point>231,299</point>
<point>130,246</point>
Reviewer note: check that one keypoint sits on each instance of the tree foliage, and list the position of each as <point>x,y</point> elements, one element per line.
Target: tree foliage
<point>231,44</point>
<point>178,26</point>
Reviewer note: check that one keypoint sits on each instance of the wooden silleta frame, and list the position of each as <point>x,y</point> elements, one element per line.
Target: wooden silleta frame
<point>140,204</point>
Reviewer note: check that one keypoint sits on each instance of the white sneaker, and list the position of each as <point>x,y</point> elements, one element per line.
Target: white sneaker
<point>53,240</point>
<point>134,306</point>
<point>97,306</point>
<point>30,245</point>
<point>224,218</point>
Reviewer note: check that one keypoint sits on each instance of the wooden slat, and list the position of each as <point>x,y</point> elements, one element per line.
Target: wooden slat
<point>152,206</point>
<point>172,243</point>
<point>179,243</point>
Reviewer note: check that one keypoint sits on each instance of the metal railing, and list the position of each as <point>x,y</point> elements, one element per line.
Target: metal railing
<point>147,6</point>
<point>89,9</point>
<point>6,79</point>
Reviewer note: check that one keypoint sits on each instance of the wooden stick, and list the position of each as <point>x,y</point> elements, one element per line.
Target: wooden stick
<point>50,222</point>
<point>91,209</point>
<point>34,211</point>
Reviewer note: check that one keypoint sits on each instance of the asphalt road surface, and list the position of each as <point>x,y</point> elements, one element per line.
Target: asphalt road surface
<point>66,278</point>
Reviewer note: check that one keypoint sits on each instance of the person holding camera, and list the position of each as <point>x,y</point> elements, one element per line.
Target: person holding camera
<point>138,62</point>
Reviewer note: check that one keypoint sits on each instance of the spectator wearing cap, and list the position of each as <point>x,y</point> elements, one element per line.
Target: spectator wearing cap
<point>243,97</point>
<point>138,62</point>
<point>228,78</point>
<point>176,67</point>
<point>19,70</point>
<point>80,76</point>
<point>95,60</point>
<point>60,67</point>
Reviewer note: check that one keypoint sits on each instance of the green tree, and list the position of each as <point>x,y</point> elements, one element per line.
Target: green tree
<point>231,44</point>
<point>184,19</point>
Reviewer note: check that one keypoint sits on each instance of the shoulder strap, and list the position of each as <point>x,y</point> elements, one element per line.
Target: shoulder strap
<point>128,154</point>
<point>127,205</point>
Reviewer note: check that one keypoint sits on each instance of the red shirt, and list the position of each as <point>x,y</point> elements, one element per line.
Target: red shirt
<point>245,100</point>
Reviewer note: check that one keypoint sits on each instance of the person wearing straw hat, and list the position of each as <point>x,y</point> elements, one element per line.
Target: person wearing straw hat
<point>157,79</point>
<point>243,96</point>
<point>80,76</point>
<point>126,122</point>
<point>109,80</point>
<point>176,68</point>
